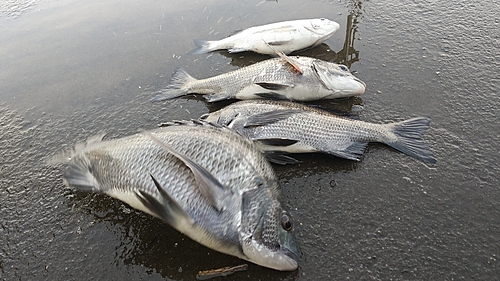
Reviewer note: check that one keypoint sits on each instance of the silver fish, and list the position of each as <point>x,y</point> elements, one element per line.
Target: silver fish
<point>292,78</point>
<point>286,37</point>
<point>206,181</point>
<point>296,128</point>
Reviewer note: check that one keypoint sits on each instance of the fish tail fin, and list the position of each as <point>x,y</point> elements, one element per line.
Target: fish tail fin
<point>178,86</point>
<point>203,47</point>
<point>79,171</point>
<point>410,141</point>
<point>79,175</point>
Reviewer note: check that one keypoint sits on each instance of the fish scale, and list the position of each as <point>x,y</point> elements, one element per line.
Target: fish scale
<point>290,78</point>
<point>195,176</point>
<point>286,37</point>
<point>296,128</point>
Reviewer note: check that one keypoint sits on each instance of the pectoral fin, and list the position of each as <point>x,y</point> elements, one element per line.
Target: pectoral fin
<point>167,209</point>
<point>269,117</point>
<point>274,86</point>
<point>218,97</point>
<point>208,185</point>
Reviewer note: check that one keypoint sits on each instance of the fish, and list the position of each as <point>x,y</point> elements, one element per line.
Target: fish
<point>288,127</point>
<point>205,180</point>
<point>285,77</point>
<point>286,37</point>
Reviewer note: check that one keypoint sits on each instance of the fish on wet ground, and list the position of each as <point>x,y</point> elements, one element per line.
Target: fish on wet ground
<point>281,126</point>
<point>286,37</point>
<point>204,180</point>
<point>290,78</point>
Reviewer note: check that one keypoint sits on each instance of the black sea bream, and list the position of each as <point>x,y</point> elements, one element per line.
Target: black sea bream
<point>290,78</point>
<point>206,181</point>
<point>296,128</point>
<point>286,37</point>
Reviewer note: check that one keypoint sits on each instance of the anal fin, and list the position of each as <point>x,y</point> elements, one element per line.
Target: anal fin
<point>352,152</point>
<point>280,158</point>
<point>218,97</point>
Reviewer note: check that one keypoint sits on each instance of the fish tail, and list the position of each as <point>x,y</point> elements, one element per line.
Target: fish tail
<point>177,87</point>
<point>79,175</point>
<point>79,172</point>
<point>203,47</point>
<point>410,141</point>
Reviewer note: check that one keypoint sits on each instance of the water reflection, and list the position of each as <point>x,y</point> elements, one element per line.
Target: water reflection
<point>322,51</point>
<point>349,55</point>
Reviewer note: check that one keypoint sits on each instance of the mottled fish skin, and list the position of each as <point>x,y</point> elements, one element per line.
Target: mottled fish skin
<point>297,128</point>
<point>206,181</point>
<point>273,78</point>
<point>286,37</point>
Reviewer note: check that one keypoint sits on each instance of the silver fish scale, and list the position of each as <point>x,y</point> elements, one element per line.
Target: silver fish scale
<point>303,125</point>
<point>124,164</point>
<point>272,70</point>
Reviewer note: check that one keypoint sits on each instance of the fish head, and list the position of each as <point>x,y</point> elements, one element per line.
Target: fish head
<point>266,233</point>
<point>322,28</point>
<point>338,79</point>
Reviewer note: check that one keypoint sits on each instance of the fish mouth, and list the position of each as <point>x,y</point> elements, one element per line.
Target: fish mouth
<point>335,27</point>
<point>363,85</point>
<point>293,254</point>
<point>282,259</point>
<point>293,261</point>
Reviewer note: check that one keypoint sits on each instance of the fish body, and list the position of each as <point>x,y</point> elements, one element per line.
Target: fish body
<point>206,181</point>
<point>297,128</point>
<point>286,37</point>
<point>307,79</point>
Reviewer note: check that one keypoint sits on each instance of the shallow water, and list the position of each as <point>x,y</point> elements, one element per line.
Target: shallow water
<point>72,69</point>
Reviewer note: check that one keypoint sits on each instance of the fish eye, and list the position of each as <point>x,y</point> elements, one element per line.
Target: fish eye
<point>343,68</point>
<point>286,222</point>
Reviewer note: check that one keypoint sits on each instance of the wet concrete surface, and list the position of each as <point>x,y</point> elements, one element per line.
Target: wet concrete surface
<point>72,69</point>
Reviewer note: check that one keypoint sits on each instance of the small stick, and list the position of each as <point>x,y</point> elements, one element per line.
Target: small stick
<point>285,57</point>
<point>225,271</point>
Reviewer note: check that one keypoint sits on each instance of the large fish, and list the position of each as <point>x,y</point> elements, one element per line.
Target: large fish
<point>296,128</point>
<point>291,78</point>
<point>206,181</point>
<point>286,37</point>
